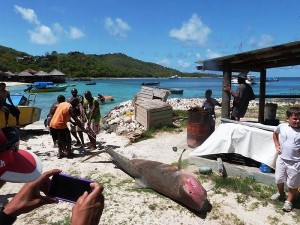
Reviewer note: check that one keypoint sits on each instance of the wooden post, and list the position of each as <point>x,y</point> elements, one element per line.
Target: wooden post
<point>262,95</point>
<point>226,96</point>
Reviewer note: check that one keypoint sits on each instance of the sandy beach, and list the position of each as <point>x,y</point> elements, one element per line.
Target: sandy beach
<point>124,204</point>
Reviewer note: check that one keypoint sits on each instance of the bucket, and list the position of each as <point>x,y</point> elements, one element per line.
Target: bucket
<point>265,169</point>
<point>270,111</point>
<point>197,127</point>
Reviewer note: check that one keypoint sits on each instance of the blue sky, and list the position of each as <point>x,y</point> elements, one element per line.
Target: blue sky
<point>172,33</point>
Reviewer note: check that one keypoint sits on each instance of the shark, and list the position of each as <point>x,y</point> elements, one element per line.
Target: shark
<point>169,180</point>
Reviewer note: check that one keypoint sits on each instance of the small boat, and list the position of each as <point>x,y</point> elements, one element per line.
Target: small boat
<point>174,77</point>
<point>150,83</point>
<point>175,91</point>
<point>28,112</point>
<point>272,79</point>
<point>91,83</point>
<point>72,85</point>
<point>39,87</point>
<point>250,80</point>
<point>104,99</point>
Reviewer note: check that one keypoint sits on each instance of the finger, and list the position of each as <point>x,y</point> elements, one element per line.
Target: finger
<point>45,176</point>
<point>81,199</point>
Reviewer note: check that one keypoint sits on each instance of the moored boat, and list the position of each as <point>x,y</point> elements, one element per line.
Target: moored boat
<point>91,83</point>
<point>39,87</point>
<point>150,83</point>
<point>28,112</point>
<point>175,91</point>
<point>174,77</point>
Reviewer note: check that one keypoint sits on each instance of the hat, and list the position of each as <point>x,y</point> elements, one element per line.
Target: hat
<point>243,75</point>
<point>19,166</point>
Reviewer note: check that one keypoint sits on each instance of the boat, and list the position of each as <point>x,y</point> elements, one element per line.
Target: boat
<point>174,77</point>
<point>91,83</point>
<point>104,99</point>
<point>272,79</point>
<point>150,83</point>
<point>72,85</point>
<point>28,112</point>
<point>39,87</point>
<point>250,80</point>
<point>175,91</point>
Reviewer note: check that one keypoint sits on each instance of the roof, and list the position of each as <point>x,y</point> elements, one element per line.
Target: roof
<point>25,74</point>
<point>276,56</point>
<point>56,73</point>
<point>42,73</point>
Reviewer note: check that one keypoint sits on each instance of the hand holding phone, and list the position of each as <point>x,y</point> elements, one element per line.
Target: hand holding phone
<point>67,188</point>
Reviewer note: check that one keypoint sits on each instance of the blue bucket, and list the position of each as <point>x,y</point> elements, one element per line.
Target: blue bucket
<point>265,169</point>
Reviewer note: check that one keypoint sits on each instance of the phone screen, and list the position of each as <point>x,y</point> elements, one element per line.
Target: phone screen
<point>68,188</point>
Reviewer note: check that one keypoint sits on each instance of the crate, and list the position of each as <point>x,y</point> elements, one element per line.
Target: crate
<point>149,93</point>
<point>153,113</point>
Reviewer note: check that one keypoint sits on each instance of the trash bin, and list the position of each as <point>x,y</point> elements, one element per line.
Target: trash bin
<point>270,114</point>
<point>197,127</point>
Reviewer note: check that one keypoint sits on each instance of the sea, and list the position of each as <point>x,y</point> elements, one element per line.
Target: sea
<point>125,89</point>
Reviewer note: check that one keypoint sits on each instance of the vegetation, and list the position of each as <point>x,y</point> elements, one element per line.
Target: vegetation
<point>77,64</point>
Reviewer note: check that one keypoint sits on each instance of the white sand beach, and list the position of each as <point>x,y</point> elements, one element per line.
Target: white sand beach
<point>125,205</point>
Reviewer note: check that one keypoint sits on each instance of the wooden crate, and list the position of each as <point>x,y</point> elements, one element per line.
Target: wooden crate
<point>153,113</point>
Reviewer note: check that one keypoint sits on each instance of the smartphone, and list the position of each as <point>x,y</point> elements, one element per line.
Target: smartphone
<point>67,188</point>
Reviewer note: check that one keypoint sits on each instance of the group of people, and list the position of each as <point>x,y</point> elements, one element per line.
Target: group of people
<point>83,115</point>
<point>286,139</point>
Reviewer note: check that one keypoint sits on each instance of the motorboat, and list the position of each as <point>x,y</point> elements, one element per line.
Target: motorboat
<point>150,83</point>
<point>174,77</point>
<point>271,79</point>
<point>175,91</point>
<point>28,112</point>
<point>250,80</point>
<point>39,87</point>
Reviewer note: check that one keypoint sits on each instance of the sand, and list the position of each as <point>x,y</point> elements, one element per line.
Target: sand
<point>126,205</point>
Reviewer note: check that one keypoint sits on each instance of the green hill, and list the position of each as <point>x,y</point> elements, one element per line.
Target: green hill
<point>77,64</point>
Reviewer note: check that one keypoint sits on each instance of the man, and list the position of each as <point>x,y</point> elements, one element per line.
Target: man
<point>58,126</point>
<point>8,108</point>
<point>92,110</point>
<point>242,96</point>
<point>75,129</point>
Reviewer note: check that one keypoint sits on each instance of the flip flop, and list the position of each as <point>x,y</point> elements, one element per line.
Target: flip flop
<point>19,166</point>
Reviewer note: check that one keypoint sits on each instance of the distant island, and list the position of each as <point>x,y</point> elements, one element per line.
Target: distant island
<point>77,64</point>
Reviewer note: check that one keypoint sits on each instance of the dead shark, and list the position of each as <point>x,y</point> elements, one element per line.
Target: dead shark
<point>166,179</point>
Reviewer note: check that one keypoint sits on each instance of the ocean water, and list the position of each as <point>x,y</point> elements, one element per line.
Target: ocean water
<point>125,89</point>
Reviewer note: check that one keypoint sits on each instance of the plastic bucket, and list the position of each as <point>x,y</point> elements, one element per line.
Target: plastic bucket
<point>197,127</point>
<point>265,169</point>
<point>270,111</point>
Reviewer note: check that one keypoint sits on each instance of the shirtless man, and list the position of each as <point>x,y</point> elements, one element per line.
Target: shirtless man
<point>8,108</point>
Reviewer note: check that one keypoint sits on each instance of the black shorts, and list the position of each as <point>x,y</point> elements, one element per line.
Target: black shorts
<point>61,135</point>
<point>12,109</point>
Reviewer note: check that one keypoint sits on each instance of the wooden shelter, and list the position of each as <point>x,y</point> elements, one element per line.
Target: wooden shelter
<point>253,61</point>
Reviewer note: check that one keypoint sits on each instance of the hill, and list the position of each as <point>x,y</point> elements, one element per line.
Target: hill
<point>77,64</point>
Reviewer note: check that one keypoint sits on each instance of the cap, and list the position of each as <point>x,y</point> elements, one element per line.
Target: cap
<point>243,75</point>
<point>19,166</point>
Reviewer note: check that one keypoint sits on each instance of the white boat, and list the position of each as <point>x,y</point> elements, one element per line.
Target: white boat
<point>28,112</point>
<point>174,77</point>
<point>250,80</point>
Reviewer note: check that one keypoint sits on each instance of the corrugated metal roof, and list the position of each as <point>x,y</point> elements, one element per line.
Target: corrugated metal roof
<point>276,56</point>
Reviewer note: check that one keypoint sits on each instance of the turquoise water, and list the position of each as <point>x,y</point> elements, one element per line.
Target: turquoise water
<point>125,89</point>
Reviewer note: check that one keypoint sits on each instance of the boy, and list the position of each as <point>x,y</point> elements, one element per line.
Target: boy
<point>287,142</point>
<point>209,104</point>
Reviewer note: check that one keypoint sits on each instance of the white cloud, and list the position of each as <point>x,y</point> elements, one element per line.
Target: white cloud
<point>164,62</point>
<point>75,33</point>
<point>58,28</point>
<point>27,14</point>
<point>43,35</point>
<point>117,27</point>
<point>193,31</point>
<point>265,40</point>
<point>210,54</point>
<point>183,64</point>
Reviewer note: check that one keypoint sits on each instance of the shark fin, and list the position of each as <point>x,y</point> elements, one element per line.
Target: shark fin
<point>179,160</point>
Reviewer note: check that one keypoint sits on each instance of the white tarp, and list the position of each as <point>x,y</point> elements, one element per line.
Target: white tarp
<point>248,141</point>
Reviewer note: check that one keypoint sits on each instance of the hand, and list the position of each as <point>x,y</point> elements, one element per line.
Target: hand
<point>278,149</point>
<point>88,208</point>
<point>29,197</point>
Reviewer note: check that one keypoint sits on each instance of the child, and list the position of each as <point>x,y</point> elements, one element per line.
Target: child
<point>209,104</point>
<point>287,142</point>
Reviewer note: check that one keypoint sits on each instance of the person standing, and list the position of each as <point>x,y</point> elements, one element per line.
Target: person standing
<point>8,108</point>
<point>209,105</point>
<point>82,117</point>
<point>243,95</point>
<point>58,126</point>
<point>92,110</point>
<point>287,143</point>
<point>60,99</point>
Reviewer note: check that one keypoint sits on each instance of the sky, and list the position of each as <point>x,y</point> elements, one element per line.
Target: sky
<point>172,33</point>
